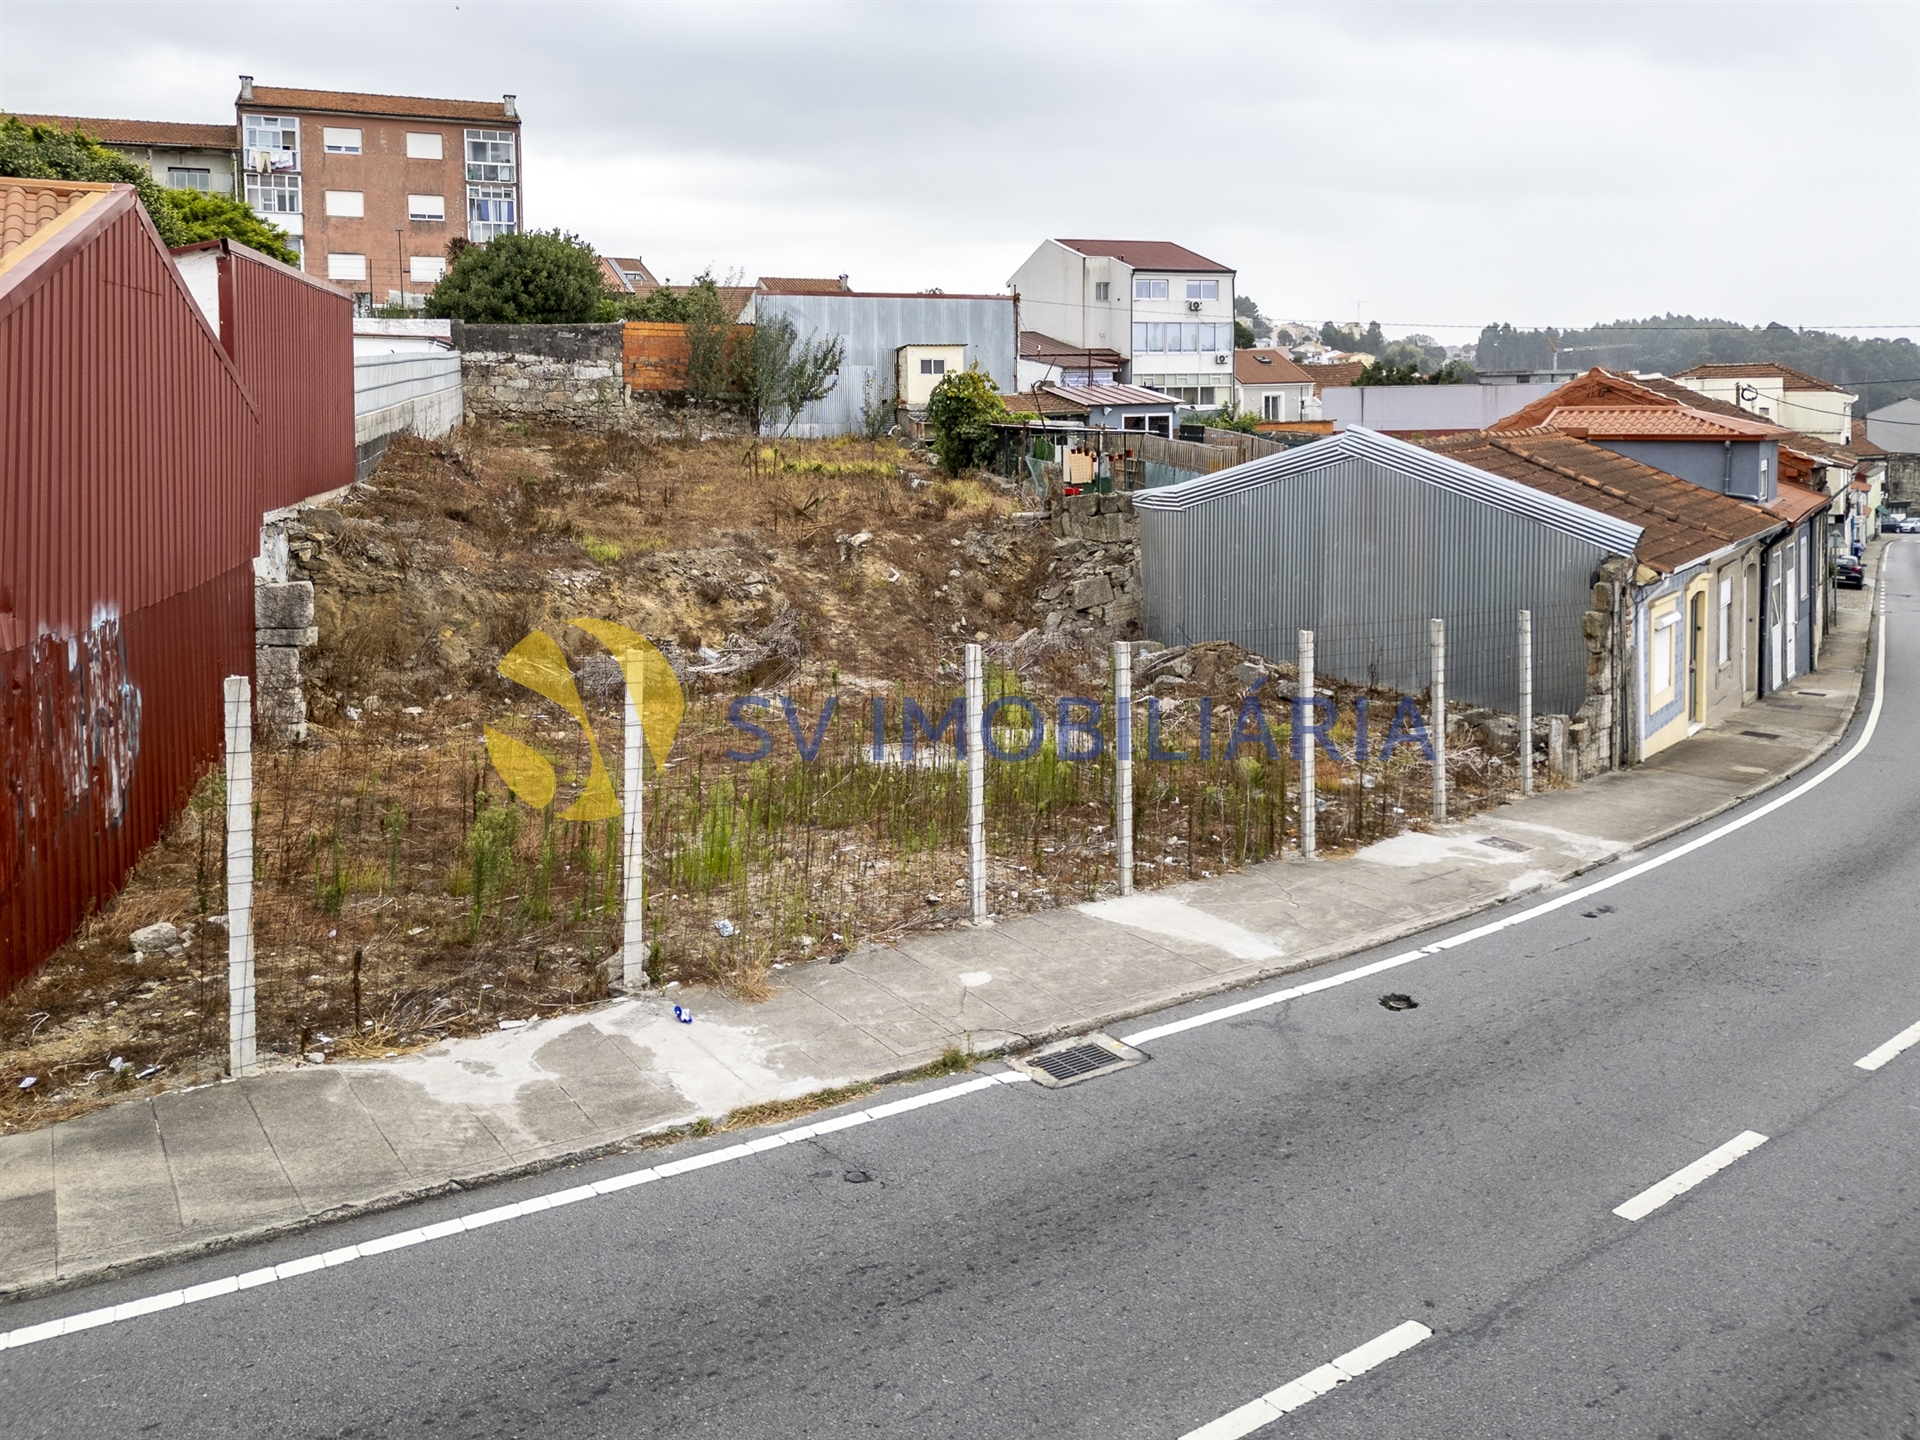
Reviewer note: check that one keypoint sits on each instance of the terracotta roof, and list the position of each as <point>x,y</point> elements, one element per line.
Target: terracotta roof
<point>1761,370</point>
<point>1861,445</point>
<point>635,266</point>
<point>1680,395</point>
<point>1797,502</point>
<point>35,207</point>
<point>1343,374</point>
<point>1035,346</point>
<point>179,134</point>
<point>1682,521</point>
<point>1603,391</point>
<point>1147,254</point>
<point>1041,402</point>
<point>1637,422</point>
<point>801,285</point>
<point>271,99</point>
<point>1268,367</point>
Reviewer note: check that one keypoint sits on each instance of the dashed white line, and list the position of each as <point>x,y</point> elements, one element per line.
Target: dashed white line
<point>1310,1386</point>
<point>1879,1056</point>
<point>1683,1180</point>
<point>366,1249</point>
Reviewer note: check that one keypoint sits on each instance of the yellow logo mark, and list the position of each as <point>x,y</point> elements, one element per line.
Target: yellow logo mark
<point>653,693</point>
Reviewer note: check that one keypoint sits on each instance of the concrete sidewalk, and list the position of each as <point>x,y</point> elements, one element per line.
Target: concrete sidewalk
<point>186,1171</point>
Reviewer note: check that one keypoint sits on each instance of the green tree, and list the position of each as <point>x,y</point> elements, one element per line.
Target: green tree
<point>785,374</point>
<point>217,217</point>
<point>1369,341</point>
<point>543,278</point>
<point>1243,336</point>
<point>183,217</point>
<point>1227,418</point>
<point>961,413</point>
<point>1245,309</point>
<point>713,361</point>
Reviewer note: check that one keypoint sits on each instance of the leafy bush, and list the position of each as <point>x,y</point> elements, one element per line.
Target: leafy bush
<point>183,217</point>
<point>543,278</point>
<point>784,374</point>
<point>961,413</point>
<point>1227,418</point>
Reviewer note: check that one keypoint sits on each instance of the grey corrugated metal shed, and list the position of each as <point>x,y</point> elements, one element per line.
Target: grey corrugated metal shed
<point>1361,539</point>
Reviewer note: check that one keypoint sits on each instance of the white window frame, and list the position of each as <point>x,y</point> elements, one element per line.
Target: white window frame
<point>285,187</point>
<point>484,230</point>
<point>1102,291</point>
<point>1662,655</point>
<point>426,269</point>
<point>491,157</point>
<point>1273,407</point>
<point>415,211</point>
<point>255,130</point>
<point>1145,287</point>
<point>340,265</point>
<point>426,145</point>
<point>933,365</point>
<point>336,142</point>
<point>205,184</point>
<point>1726,618</point>
<point>346,204</point>
<point>1203,289</point>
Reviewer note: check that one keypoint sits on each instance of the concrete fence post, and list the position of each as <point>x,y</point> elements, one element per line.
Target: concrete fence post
<point>633,879</point>
<point>241,1033</point>
<point>1123,760</point>
<point>1437,643</point>
<point>976,752</point>
<point>1303,707</point>
<point>1526,702</point>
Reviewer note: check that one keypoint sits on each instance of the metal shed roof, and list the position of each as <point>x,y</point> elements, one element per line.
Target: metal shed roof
<point>1436,470</point>
<point>1122,395</point>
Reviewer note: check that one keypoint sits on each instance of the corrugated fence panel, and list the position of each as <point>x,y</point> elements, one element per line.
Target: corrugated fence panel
<point>292,341</point>
<point>1364,557</point>
<point>127,528</point>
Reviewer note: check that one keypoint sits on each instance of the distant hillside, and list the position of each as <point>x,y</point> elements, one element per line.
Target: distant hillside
<point>1879,371</point>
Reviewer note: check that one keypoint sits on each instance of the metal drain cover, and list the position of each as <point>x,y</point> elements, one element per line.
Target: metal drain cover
<point>1081,1058</point>
<point>1761,734</point>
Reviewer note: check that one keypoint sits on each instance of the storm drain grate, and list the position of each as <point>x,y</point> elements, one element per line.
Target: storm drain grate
<point>1500,842</point>
<point>1080,1060</point>
<point>1761,734</point>
<point>1070,1062</point>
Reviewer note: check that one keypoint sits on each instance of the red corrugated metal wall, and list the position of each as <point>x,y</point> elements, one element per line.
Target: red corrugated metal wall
<point>127,530</point>
<point>292,341</point>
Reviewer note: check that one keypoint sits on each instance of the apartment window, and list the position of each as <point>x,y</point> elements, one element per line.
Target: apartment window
<point>346,267</point>
<point>348,204</point>
<point>490,211</point>
<point>272,142</point>
<point>1203,289</point>
<point>274,194</point>
<point>422,146</point>
<point>933,367</point>
<point>340,142</point>
<point>180,178</point>
<point>1726,619</point>
<point>1102,290</point>
<point>427,269</point>
<point>1273,407</point>
<point>1145,289</point>
<point>490,155</point>
<point>1660,671</point>
<point>426,207</point>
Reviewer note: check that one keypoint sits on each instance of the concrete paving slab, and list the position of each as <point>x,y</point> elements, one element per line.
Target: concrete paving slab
<point>113,1189</point>
<point>224,1168</point>
<point>332,1150</point>
<point>29,1221</point>
<point>433,1141</point>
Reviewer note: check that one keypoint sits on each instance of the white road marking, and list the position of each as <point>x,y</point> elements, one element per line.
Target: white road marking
<point>1561,902</point>
<point>1905,1040</point>
<point>366,1249</point>
<point>1681,1181</point>
<point>1315,1383</point>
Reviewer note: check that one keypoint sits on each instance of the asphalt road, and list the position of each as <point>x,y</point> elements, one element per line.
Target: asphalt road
<point>1142,1253</point>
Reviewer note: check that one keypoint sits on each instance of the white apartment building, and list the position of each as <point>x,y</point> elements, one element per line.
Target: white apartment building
<point>1778,393</point>
<point>1167,311</point>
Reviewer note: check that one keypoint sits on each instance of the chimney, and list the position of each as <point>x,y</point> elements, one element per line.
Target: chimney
<point>843,283</point>
<point>246,88</point>
<point>513,111</point>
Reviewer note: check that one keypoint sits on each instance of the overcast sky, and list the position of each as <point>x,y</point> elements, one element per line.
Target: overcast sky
<point>1423,165</point>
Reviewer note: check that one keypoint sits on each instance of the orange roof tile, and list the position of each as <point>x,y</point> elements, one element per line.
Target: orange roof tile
<point>802,285</point>
<point>1634,422</point>
<point>30,208</point>
<point>1761,370</point>
<point>1344,373</point>
<point>269,99</point>
<point>181,135</point>
<point>1147,254</point>
<point>1268,367</point>
<point>1797,502</point>
<point>1682,522</point>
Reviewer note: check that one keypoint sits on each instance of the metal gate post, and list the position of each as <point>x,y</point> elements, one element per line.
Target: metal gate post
<point>1123,760</point>
<point>1526,702</point>
<point>976,742</point>
<point>1309,797</point>
<point>633,879</point>
<point>241,1034</point>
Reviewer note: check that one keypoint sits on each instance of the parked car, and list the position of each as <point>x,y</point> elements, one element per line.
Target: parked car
<point>1849,573</point>
<point>1908,525</point>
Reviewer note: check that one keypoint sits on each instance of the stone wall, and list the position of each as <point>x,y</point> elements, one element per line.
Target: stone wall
<point>1093,586</point>
<point>282,627</point>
